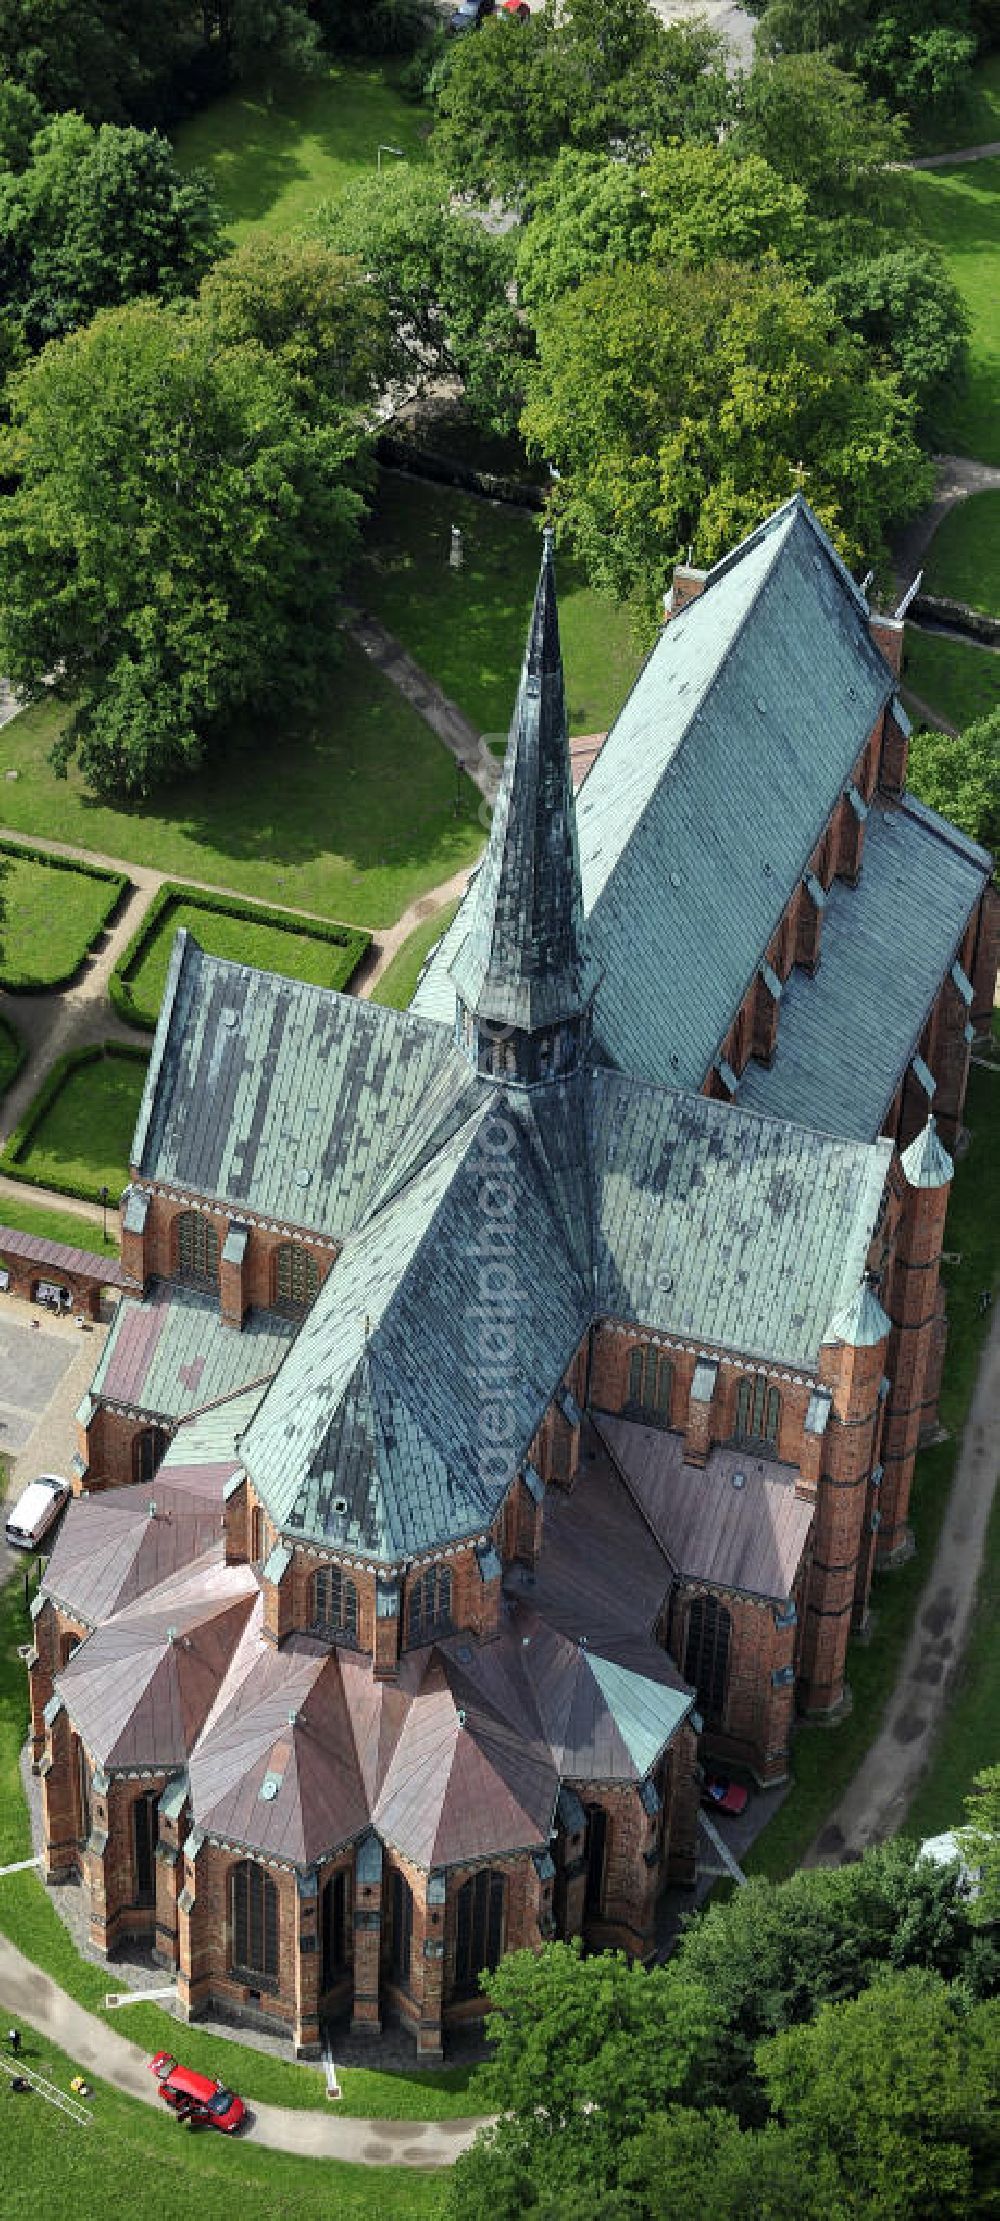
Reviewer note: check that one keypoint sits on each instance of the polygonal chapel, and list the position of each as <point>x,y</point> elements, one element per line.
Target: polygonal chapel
<point>519,1390</point>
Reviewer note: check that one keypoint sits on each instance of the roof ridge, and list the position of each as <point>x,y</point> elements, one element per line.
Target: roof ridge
<point>945,830</point>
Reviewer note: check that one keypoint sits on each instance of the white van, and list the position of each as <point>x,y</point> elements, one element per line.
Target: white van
<point>36,1510</point>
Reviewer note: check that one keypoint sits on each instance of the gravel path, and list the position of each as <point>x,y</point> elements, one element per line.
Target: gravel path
<point>876,1802</point>
<point>956,476</point>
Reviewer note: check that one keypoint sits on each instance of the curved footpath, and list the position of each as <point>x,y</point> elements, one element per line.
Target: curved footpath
<point>33,1997</point>
<point>875,1803</point>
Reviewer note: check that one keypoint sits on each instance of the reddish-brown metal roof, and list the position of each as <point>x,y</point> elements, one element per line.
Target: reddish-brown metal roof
<point>139,1689</point>
<point>113,1547</point>
<point>744,1533</point>
<point>276,1769</point>
<point>61,1257</point>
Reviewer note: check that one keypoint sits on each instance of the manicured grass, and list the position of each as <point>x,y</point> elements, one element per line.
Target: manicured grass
<point>976,124</point>
<point>77,1135</point>
<point>468,627</point>
<point>964,557</point>
<point>354,818</point>
<point>958,211</point>
<point>960,681</point>
<point>824,1759</point>
<point>133,2161</point>
<point>12,1054</point>
<point>276,151</point>
<point>273,941</point>
<point>57,1226</point>
<point>399,979</point>
<point>54,913</point>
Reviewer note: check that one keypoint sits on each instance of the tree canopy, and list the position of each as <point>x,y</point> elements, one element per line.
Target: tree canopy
<point>91,218</point>
<point>441,278</point>
<point>119,63</point>
<point>601,75</point>
<point>175,539</point>
<point>313,313</point>
<point>817,127</point>
<point>980,1839</point>
<point>680,405</point>
<point>959,774</point>
<point>917,55</point>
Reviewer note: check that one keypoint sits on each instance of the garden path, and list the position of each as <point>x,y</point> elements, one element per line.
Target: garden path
<point>982,153</point>
<point>956,476</point>
<point>875,1803</point>
<point>30,1995</point>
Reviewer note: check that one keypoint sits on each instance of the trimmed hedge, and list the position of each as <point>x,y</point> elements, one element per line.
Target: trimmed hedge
<point>21,1138</point>
<point>173,894</point>
<point>12,1054</point>
<point>118,885</point>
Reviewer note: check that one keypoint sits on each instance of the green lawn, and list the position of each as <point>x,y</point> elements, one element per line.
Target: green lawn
<point>80,1140</point>
<point>964,556</point>
<point>245,938</point>
<point>468,627</point>
<point>276,152</point>
<point>400,977</point>
<point>958,210</point>
<point>824,1759</point>
<point>132,2161</point>
<point>960,681</point>
<point>11,1053</point>
<point>976,124</point>
<point>57,1226</point>
<point>353,819</point>
<point>53,915</point>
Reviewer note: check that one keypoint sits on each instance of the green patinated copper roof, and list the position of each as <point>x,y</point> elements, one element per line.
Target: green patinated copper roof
<point>847,1034</point>
<point>861,1321</point>
<point>699,814</point>
<point>926,1163</point>
<point>522,960</point>
<point>430,1354</point>
<point>172,1353</point>
<point>267,1091</point>
<point>737,1231</point>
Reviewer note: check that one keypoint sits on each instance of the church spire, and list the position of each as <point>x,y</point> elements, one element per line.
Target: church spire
<point>523,968</point>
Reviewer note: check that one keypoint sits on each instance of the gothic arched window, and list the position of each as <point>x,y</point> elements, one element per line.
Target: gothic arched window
<point>148,1451</point>
<point>478,1926</point>
<point>706,1656</point>
<point>430,1604</point>
<point>650,1379</point>
<point>255,1922</point>
<point>296,1276</point>
<point>758,1410</point>
<point>196,1246</point>
<point>335,1603</point>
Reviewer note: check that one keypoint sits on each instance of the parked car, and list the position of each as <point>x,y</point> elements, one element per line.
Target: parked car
<point>723,1795</point>
<point>519,9</point>
<point>470,14</point>
<point>36,1511</point>
<point>195,2097</point>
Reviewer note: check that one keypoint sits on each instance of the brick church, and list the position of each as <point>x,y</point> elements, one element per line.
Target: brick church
<point>523,1386</point>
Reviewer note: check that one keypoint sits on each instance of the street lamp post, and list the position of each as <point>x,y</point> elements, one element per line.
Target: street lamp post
<point>104,1208</point>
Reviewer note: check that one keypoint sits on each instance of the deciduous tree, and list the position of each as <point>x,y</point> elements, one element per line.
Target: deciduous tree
<point>174,542</point>
<point>95,218</point>
<point>959,774</point>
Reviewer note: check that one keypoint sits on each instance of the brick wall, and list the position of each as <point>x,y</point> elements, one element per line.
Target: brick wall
<point>153,1255</point>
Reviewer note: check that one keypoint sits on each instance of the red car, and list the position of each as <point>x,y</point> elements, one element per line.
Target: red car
<point>195,2097</point>
<point>723,1795</point>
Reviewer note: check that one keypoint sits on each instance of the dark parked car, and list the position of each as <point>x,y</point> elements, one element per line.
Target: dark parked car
<point>470,14</point>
